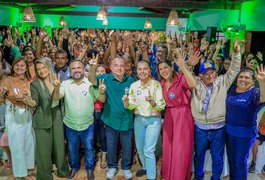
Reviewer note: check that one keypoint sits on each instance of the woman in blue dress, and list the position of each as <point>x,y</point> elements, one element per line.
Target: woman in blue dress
<point>242,104</point>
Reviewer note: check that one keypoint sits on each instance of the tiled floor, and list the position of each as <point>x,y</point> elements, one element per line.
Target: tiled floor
<point>6,174</point>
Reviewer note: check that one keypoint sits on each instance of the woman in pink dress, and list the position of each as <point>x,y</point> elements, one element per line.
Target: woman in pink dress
<point>178,128</point>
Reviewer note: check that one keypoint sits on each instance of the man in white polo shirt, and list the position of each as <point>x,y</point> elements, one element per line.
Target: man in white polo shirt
<point>79,95</point>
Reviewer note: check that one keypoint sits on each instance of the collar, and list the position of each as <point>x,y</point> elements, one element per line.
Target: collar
<point>113,77</point>
<point>175,80</point>
<point>57,70</point>
<point>17,78</point>
<point>84,80</point>
<point>148,84</point>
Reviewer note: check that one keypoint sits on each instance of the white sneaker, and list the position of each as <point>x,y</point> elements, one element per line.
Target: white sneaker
<point>127,174</point>
<point>111,173</point>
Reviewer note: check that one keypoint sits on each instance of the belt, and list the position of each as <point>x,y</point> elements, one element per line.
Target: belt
<point>97,110</point>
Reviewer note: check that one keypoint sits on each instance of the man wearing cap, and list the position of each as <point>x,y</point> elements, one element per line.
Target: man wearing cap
<point>208,110</point>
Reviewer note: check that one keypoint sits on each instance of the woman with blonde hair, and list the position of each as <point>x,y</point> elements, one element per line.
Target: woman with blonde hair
<point>146,99</point>
<point>47,123</point>
<point>14,91</point>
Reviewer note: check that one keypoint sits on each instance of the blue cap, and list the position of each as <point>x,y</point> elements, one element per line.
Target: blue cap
<point>205,66</point>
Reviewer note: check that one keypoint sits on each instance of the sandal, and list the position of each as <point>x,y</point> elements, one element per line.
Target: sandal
<point>9,165</point>
<point>103,160</point>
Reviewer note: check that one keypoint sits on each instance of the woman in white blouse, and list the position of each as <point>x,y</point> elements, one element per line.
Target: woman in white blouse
<point>146,99</point>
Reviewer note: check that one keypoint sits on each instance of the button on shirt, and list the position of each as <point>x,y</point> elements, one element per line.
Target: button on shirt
<point>137,96</point>
<point>205,109</point>
<point>79,103</point>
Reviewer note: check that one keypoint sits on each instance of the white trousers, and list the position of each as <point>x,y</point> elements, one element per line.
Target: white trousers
<point>20,138</point>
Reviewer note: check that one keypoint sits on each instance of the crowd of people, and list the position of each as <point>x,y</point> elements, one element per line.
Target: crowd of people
<point>79,91</point>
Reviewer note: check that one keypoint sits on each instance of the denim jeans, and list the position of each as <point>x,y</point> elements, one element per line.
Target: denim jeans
<point>215,139</point>
<point>87,139</point>
<point>147,131</point>
<point>237,152</point>
<point>125,138</point>
<point>99,132</point>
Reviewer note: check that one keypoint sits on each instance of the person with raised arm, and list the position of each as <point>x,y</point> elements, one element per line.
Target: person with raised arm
<point>79,95</point>
<point>209,110</point>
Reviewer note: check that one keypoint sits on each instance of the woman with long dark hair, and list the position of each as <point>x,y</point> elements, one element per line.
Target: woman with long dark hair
<point>178,128</point>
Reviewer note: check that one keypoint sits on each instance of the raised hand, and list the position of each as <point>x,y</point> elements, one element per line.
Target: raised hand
<point>194,59</point>
<point>43,33</point>
<point>112,35</point>
<point>3,91</point>
<point>180,58</point>
<point>143,47</point>
<point>17,32</point>
<point>218,45</point>
<point>33,32</point>
<point>102,87</point>
<point>260,75</point>
<point>204,46</point>
<point>150,99</point>
<point>9,41</point>
<point>57,81</point>
<point>259,56</point>
<point>82,51</point>
<point>224,41</point>
<point>237,46</point>
<point>94,61</point>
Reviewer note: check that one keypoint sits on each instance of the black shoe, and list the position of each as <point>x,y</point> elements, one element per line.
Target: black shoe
<point>90,175</point>
<point>140,173</point>
<point>252,167</point>
<point>72,173</point>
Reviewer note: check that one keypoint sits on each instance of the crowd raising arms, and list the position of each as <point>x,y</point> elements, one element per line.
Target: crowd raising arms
<point>59,83</point>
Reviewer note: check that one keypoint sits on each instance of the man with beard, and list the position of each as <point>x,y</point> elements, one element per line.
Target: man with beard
<point>79,95</point>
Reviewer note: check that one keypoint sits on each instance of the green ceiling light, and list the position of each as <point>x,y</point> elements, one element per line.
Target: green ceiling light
<point>28,15</point>
<point>173,18</point>
<point>102,14</point>
<point>148,24</point>
<point>62,21</point>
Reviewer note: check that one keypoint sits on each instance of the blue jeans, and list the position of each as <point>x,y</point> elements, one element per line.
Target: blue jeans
<point>99,132</point>
<point>87,139</point>
<point>147,131</point>
<point>237,152</point>
<point>215,139</point>
<point>125,138</point>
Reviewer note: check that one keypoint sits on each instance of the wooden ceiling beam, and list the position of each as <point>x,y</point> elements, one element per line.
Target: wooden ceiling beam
<point>207,4</point>
<point>78,13</point>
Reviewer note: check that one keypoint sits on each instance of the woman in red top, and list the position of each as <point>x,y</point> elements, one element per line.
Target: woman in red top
<point>178,128</point>
<point>99,131</point>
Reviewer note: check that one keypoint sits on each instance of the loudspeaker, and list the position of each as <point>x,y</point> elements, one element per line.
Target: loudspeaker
<point>211,34</point>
